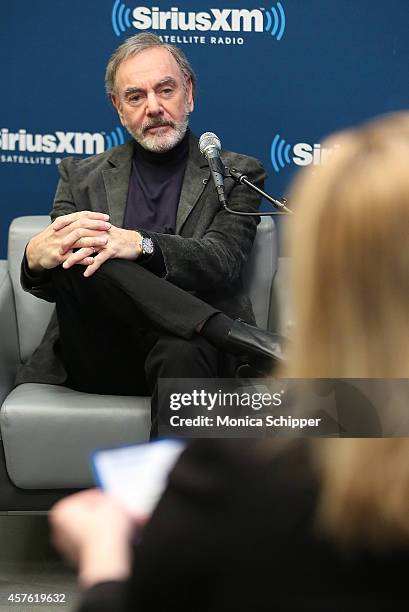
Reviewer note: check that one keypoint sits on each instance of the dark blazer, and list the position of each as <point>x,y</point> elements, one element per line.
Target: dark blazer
<point>236,530</point>
<point>205,257</point>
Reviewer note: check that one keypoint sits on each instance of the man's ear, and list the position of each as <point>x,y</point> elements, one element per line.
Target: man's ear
<point>190,101</point>
<point>117,105</point>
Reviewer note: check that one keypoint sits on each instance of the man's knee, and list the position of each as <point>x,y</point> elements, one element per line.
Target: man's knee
<point>73,282</point>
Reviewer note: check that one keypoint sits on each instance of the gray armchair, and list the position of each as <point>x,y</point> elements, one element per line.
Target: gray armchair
<point>49,431</point>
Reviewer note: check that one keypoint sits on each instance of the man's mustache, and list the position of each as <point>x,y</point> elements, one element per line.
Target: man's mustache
<point>157,123</point>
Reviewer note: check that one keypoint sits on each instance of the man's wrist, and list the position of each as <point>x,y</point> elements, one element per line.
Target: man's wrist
<point>32,261</point>
<point>138,244</point>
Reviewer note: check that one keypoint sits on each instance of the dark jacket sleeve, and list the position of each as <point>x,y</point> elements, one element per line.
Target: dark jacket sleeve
<point>38,285</point>
<point>105,597</point>
<point>155,263</point>
<point>180,541</point>
<point>192,531</point>
<point>215,260</point>
<point>64,200</point>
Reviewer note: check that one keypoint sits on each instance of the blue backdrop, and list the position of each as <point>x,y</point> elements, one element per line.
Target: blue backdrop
<point>273,79</point>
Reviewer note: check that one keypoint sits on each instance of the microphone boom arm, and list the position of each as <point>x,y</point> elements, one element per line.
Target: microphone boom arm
<point>280,204</point>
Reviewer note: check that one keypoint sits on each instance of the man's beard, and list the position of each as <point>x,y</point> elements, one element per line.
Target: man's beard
<point>160,143</point>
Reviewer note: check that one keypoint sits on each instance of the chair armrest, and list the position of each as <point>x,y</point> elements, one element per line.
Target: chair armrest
<point>9,345</point>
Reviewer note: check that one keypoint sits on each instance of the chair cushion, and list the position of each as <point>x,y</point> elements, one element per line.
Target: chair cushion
<point>50,431</point>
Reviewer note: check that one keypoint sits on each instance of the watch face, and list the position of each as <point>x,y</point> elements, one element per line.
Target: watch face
<point>147,246</point>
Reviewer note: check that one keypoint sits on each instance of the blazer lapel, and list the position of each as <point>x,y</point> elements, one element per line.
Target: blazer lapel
<point>116,181</point>
<point>196,176</point>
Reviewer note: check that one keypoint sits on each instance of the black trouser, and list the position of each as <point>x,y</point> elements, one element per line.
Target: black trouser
<point>124,328</point>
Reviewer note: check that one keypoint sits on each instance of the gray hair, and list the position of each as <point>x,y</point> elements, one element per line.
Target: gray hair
<point>136,44</point>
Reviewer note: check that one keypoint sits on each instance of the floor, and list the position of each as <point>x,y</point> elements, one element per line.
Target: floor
<point>29,565</point>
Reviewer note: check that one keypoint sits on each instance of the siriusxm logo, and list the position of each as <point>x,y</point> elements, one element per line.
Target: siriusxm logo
<point>301,154</point>
<point>70,143</point>
<point>212,20</point>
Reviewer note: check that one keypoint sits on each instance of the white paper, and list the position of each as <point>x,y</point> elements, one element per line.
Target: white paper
<point>136,476</point>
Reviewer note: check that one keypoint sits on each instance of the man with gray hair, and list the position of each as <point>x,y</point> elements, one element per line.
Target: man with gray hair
<point>143,264</point>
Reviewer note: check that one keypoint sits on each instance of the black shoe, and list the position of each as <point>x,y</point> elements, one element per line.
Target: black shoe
<point>256,346</point>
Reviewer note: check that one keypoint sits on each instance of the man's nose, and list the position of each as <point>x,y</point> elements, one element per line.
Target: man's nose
<point>153,106</point>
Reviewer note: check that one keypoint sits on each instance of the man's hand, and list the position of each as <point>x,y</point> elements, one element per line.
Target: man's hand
<point>55,244</point>
<point>120,244</point>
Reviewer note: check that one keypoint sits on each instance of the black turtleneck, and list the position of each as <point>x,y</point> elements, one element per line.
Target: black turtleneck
<point>154,188</point>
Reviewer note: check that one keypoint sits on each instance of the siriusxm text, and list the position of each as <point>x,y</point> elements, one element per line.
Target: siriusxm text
<point>306,154</point>
<point>215,20</point>
<point>80,143</point>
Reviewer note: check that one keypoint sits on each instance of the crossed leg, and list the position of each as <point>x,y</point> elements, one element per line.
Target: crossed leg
<point>123,329</point>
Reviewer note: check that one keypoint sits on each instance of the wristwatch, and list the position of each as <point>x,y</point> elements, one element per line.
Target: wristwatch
<point>146,245</point>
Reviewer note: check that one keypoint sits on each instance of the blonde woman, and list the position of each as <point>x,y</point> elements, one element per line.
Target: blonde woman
<point>350,244</point>
<point>319,525</point>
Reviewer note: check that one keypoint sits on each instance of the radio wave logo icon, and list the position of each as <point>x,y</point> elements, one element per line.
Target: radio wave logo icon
<point>114,138</point>
<point>120,17</point>
<point>275,21</point>
<point>280,153</point>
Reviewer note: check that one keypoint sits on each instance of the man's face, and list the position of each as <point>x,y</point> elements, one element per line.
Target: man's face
<point>152,99</point>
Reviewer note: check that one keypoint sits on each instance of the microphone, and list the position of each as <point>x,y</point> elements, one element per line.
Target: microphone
<point>210,146</point>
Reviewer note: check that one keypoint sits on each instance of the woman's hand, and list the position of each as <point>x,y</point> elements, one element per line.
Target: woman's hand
<point>93,532</point>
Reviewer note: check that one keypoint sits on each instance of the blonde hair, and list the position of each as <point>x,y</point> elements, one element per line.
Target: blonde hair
<point>350,247</point>
<point>364,496</point>
<point>351,256</point>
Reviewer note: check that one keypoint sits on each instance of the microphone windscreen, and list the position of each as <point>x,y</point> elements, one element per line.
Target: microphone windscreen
<point>208,139</point>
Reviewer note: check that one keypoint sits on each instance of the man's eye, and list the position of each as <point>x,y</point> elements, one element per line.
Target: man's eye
<point>134,99</point>
<point>167,91</point>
